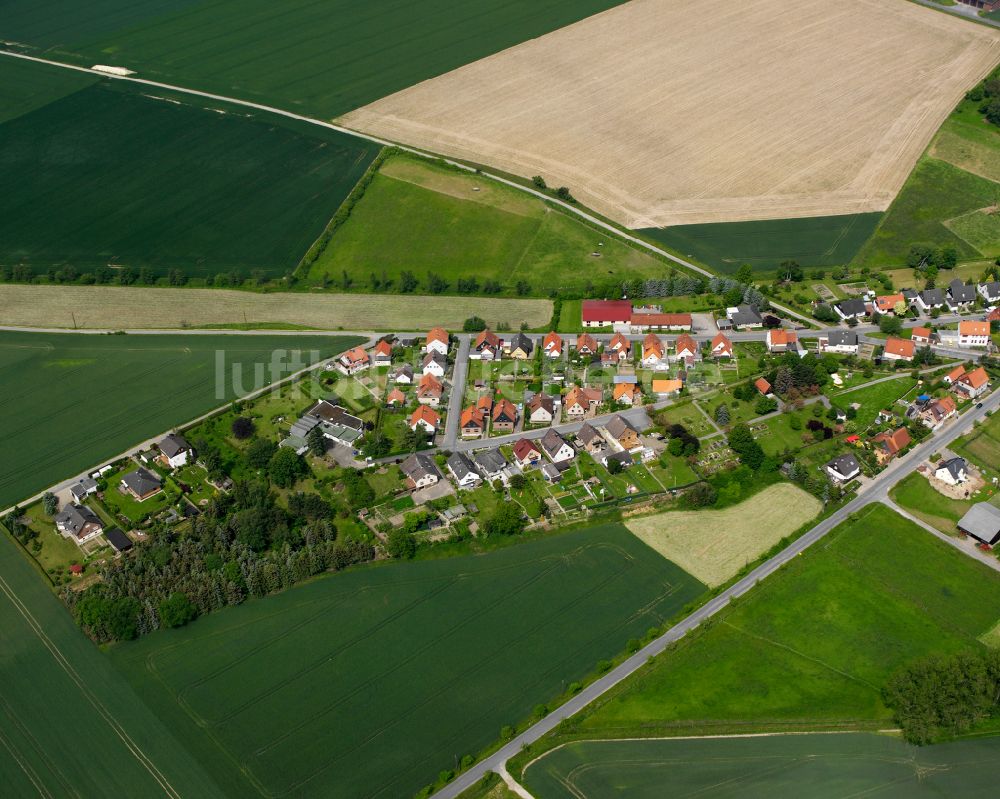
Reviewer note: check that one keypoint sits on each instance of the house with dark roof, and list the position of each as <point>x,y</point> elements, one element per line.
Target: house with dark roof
<point>590,438</point>
<point>78,522</point>
<point>556,447</point>
<point>402,375</point>
<point>521,347</point>
<point>83,489</point>
<point>118,540</point>
<point>434,363</point>
<point>336,423</point>
<point>844,342</point>
<point>990,292</point>
<point>953,471</point>
<point>175,451</point>
<point>623,457</point>
<point>960,295</point>
<point>744,317</point>
<point>622,431</point>
<point>852,308</point>
<point>491,463</point>
<point>463,470</point>
<point>929,299</point>
<point>486,347</point>
<point>843,468</point>
<point>141,484</point>
<point>541,409</point>
<point>420,470</point>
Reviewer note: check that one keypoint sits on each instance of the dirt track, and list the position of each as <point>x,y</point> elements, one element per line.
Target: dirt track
<point>657,113</point>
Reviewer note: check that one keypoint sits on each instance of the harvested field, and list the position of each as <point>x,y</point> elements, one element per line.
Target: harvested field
<point>715,544</point>
<point>674,113</point>
<point>119,308</point>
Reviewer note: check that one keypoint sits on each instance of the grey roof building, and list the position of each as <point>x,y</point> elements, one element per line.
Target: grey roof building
<point>420,467</point>
<point>142,482</point>
<point>956,467</point>
<point>843,467</point>
<point>982,522</point>
<point>84,488</point>
<point>842,338</point>
<point>490,461</point>
<point>961,293</point>
<point>118,540</point>
<point>173,445</point>
<point>79,521</point>
<point>522,342</point>
<point>853,307</point>
<point>462,468</point>
<point>746,315</point>
<point>932,298</point>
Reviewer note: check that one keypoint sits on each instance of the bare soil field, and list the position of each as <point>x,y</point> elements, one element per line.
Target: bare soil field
<point>112,307</point>
<point>660,114</point>
<point>715,544</point>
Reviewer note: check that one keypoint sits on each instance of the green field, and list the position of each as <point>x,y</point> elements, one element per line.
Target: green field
<point>69,723</point>
<point>370,682</point>
<point>75,400</point>
<point>918,496</point>
<point>108,176</point>
<point>26,86</point>
<point>811,647</point>
<point>982,445</point>
<point>725,246</point>
<point>819,766</point>
<point>427,218</point>
<point>323,59</point>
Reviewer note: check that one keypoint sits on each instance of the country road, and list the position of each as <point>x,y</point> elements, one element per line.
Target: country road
<point>876,491</point>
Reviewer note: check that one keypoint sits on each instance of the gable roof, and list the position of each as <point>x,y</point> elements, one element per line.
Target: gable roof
<point>118,540</point>
<point>982,521</point>
<point>490,461</point>
<point>625,390</point>
<point>722,343</point>
<point>472,417</point>
<point>762,385</point>
<point>651,345</point>
<point>75,517</point>
<point>395,397</point>
<point>893,442</point>
<point>686,343</point>
<point>852,307</point>
<point>961,292</point>
<point>618,426</point>
<point>977,378</point>
<point>887,302</point>
<point>504,410</point>
<point>383,347</point>
<point>552,442</point>
<point>746,315</point>
<point>779,336</point>
<point>662,386</point>
<point>588,433</point>
<point>606,311</point>
<point>955,373</point>
<point>552,341</point>
<point>487,338</point>
<point>582,397</point>
<point>541,400</point>
<point>461,466</point>
<point>172,445</point>
<point>922,332</point>
<point>954,466</point>
<point>424,413</point>
<point>521,342</point>
<point>355,355</point>
<point>991,288</point>
<point>419,465</point>
<point>523,447</point>
<point>586,341</point>
<point>900,347</point>
<point>621,342</point>
<point>970,328</point>
<point>842,338</point>
<point>437,334</point>
<point>932,296</point>
<point>844,464</point>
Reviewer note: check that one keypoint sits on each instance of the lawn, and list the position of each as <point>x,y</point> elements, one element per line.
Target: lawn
<point>982,445</point>
<point>321,59</point>
<point>815,241</point>
<point>713,545</point>
<point>688,415</point>
<point>72,726</point>
<point>233,191</point>
<point>428,218</point>
<point>819,766</point>
<point>873,398</point>
<point>120,503</point>
<point>368,683</point>
<point>812,646</point>
<point>917,495</point>
<point>113,392</point>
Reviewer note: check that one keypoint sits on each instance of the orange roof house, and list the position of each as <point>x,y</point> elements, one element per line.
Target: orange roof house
<point>621,344</point>
<point>427,418</point>
<point>627,394</point>
<point>972,383</point>
<point>485,403</point>
<point>504,415</point>
<point>667,386</point>
<point>579,401</point>
<point>889,445</point>
<point>921,335</point>
<point>383,350</point>
<point>781,339</point>
<point>686,348</point>
<point>437,339</point>
<point>722,347</point>
<point>472,422</point>
<point>396,397</point>
<point>887,302</point>
<point>552,345</point>
<point>652,348</point>
<point>968,329</point>
<point>762,385</point>
<point>429,390</point>
<point>899,349</point>
<point>586,344</point>
<point>954,374</point>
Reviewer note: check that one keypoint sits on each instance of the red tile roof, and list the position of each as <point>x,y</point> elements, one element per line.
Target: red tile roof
<point>523,447</point>
<point>607,311</point>
<point>900,347</point>
<point>762,385</point>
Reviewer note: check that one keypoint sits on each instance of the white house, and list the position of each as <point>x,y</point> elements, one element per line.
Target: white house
<point>990,292</point>
<point>844,342</point>
<point>463,470</point>
<point>973,334</point>
<point>435,363</point>
<point>556,447</point>
<point>437,341</point>
<point>420,470</point>
<point>853,308</point>
<point>929,299</point>
<point>175,451</point>
<point>843,468</point>
<point>953,471</point>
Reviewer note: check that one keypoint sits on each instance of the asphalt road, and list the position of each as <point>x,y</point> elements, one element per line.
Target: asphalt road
<point>459,375</point>
<point>876,491</point>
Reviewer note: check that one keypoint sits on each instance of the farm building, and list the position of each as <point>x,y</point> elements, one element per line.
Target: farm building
<point>982,522</point>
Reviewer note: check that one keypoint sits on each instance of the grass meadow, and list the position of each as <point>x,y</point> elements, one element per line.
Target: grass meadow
<point>982,445</point>
<point>75,400</point>
<point>370,682</point>
<point>71,724</point>
<point>713,545</point>
<point>819,766</point>
<point>811,647</point>
<point>425,218</point>
<point>323,59</point>
<point>725,246</point>
<point>110,176</point>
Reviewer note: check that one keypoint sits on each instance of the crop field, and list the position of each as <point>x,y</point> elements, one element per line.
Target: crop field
<point>637,111</point>
<point>75,400</point>
<point>725,246</point>
<point>26,86</point>
<point>114,308</point>
<point>229,192</point>
<point>812,647</point>
<point>368,683</point>
<point>427,218</point>
<point>713,545</point>
<point>821,766</point>
<point>71,726</point>
<point>317,58</point>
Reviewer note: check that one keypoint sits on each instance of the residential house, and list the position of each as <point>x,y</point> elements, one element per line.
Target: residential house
<point>591,439</point>
<point>843,468</point>
<point>551,473</point>
<point>504,416</point>
<point>623,432</point>
<point>353,361</point>
<point>653,352</point>
<point>953,375</point>
<point>403,375</point>
<point>606,313</point>
<point>492,465</point>
<point>552,345</point>
<point>141,484</point>
<point>744,317</point>
<point>982,522</point>
<point>395,398</point>
<point>990,292</point>
<point>620,346</point>
<point>960,296</point>
<point>463,470</point>
<point>973,334</point>
<point>972,384</point>
<point>526,453</point>
<point>953,471</point>
<point>651,317</point>
<point>78,521</point>
<point>623,457</point>
<point>383,353</point>
<point>627,394</point>
<point>888,445</point>
<point>420,471</point>
<point>921,336</point>
<point>586,344</point>
<point>485,404</point>
<point>486,347</point>
<point>430,391</point>
<point>686,350</point>
<point>472,423</point>
<point>910,297</point>
<point>337,424</point>
<point>762,386</point>
<point>936,412</point>
<point>435,363</point>
<point>84,488</point>
<point>580,401</point>
<point>722,347</point>
<point>930,299</point>
<point>890,303</point>
<point>899,349</point>
<point>667,388</point>
<point>839,341</point>
<point>556,447</point>
<point>175,451</point>
<point>781,340</point>
<point>521,347</point>
<point>993,316</point>
<point>852,308</point>
<point>437,341</point>
<point>541,409</point>
<point>425,418</point>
